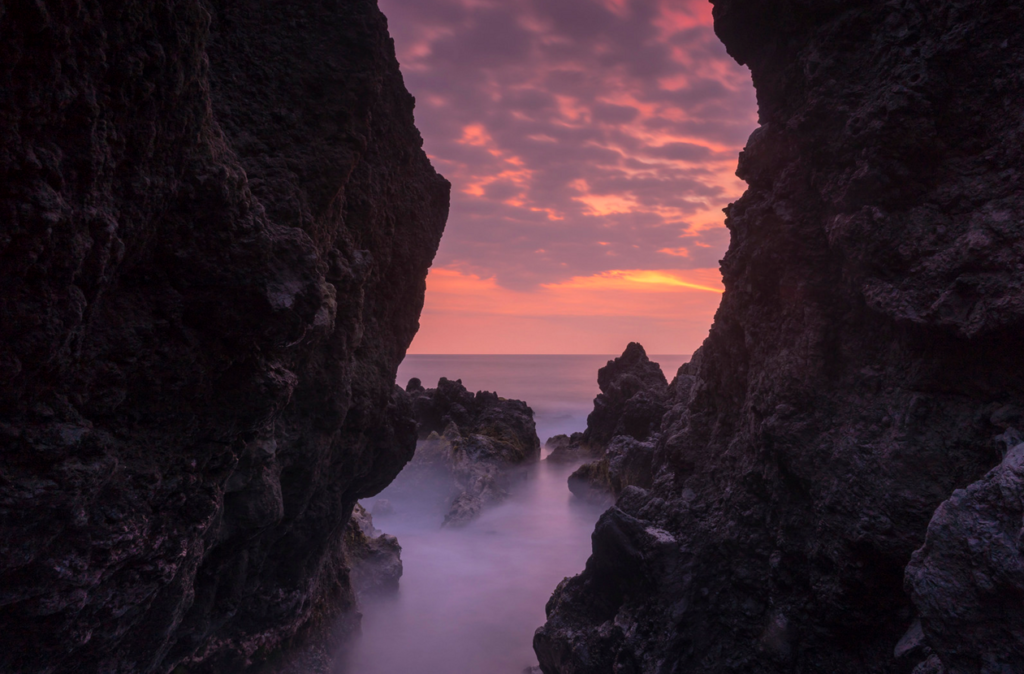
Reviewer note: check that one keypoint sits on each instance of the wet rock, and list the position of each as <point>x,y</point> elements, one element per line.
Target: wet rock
<point>485,443</point>
<point>567,448</point>
<point>592,482</point>
<point>863,365</point>
<point>373,557</point>
<point>216,220</point>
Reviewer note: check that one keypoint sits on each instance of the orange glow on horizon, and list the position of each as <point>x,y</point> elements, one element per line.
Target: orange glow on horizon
<point>586,165</point>
<point>467,313</point>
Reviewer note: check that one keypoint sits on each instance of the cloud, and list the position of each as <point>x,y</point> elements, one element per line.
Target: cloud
<point>580,136</point>
<point>467,313</point>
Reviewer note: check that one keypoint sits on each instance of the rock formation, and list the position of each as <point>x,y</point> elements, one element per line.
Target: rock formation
<point>472,447</point>
<point>863,363</point>
<point>624,427</point>
<point>216,225</point>
<point>373,557</point>
<point>567,448</point>
<point>968,579</point>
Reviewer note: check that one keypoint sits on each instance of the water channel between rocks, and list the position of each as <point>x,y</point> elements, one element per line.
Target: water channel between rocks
<point>470,598</point>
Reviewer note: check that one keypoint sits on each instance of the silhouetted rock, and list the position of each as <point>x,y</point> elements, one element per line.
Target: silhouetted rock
<point>632,399</point>
<point>868,335</point>
<point>627,414</point>
<point>216,220</point>
<point>472,447</point>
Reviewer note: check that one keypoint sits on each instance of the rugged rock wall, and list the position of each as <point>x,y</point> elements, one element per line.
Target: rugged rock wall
<point>216,225</point>
<point>863,363</point>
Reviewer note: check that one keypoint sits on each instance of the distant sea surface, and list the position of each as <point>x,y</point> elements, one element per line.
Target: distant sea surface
<point>559,388</point>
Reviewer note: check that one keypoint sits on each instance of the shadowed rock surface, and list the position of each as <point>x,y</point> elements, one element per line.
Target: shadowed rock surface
<point>864,359</point>
<point>623,428</point>
<point>472,447</point>
<point>216,225</point>
<point>967,580</point>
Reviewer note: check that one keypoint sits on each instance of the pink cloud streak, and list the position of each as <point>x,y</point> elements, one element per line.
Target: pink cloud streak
<point>582,138</point>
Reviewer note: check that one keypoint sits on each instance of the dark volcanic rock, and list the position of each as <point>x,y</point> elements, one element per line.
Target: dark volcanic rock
<point>632,399</point>
<point>864,358</point>
<point>509,423</point>
<point>623,428</point>
<point>472,447</point>
<point>567,448</point>
<point>592,482</point>
<point>216,226</point>
<point>967,581</point>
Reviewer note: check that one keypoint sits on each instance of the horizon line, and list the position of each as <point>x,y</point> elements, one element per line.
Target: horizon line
<point>541,354</point>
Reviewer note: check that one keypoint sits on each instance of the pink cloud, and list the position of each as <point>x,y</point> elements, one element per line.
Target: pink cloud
<point>580,136</point>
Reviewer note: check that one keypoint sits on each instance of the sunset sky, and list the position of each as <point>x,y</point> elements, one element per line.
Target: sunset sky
<point>591,146</point>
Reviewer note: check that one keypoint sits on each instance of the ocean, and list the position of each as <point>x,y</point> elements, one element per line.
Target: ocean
<point>470,598</point>
<point>560,389</point>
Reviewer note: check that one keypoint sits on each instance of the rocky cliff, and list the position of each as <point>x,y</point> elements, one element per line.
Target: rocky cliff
<point>865,363</point>
<point>216,224</point>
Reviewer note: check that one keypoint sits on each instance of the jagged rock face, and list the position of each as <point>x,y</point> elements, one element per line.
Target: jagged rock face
<point>217,221</point>
<point>631,402</point>
<point>473,448</point>
<point>860,364</point>
<point>624,427</point>
<point>506,421</point>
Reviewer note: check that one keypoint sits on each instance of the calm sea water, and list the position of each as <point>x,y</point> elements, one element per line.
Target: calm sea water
<point>471,598</point>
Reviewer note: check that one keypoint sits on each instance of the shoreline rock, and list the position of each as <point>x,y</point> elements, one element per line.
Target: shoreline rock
<point>483,445</point>
<point>373,557</point>
<point>623,428</point>
<point>567,448</point>
<point>861,370</point>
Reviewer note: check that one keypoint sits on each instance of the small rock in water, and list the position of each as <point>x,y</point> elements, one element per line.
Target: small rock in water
<point>591,482</point>
<point>567,449</point>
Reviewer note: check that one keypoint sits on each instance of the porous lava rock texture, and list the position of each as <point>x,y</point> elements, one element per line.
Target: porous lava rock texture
<point>473,448</point>
<point>624,427</point>
<point>864,360</point>
<point>216,225</point>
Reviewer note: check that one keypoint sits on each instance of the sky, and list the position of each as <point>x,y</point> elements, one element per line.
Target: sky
<point>591,146</point>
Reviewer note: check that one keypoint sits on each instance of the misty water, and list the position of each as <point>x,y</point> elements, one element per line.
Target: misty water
<point>470,598</point>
